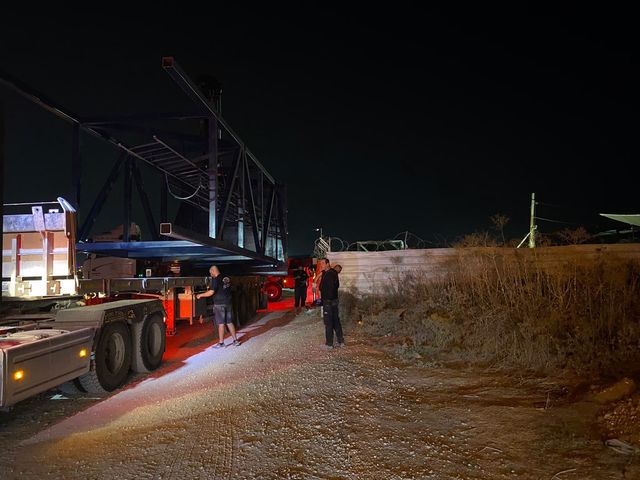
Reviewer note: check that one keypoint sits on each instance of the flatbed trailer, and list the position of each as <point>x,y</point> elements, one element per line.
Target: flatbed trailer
<point>96,346</point>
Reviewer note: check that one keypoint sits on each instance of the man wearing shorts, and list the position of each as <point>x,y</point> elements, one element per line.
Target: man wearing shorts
<point>220,290</point>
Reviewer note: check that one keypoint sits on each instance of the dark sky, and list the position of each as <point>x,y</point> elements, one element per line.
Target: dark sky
<point>378,120</point>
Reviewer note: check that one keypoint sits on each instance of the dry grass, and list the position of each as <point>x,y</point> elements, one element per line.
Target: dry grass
<point>514,313</point>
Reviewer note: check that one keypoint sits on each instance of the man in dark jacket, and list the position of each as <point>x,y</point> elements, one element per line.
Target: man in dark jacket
<point>301,284</point>
<point>329,295</point>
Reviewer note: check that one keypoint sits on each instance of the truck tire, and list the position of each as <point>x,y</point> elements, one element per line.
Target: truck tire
<point>263,301</point>
<point>273,291</point>
<point>149,341</point>
<point>112,359</point>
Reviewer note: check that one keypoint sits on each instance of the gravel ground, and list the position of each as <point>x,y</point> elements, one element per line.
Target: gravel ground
<point>281,407</point>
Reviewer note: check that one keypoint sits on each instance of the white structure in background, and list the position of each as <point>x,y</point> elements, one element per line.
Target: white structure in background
<point>628,219</point>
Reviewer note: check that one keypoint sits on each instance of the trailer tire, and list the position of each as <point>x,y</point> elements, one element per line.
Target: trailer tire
<point>149,342</point>
<point>112,359</point>
<point>273,291</point>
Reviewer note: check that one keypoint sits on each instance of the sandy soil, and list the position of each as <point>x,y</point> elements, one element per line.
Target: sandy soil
<point>280,407</point>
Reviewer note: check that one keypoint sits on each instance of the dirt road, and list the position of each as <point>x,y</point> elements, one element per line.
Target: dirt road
<point>280,407</point>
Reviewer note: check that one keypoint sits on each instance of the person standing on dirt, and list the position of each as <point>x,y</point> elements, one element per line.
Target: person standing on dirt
<point>220,290</point>
<point>315,285</point>
<point>301,283</point>
<point>329,295</point>
<point>338,269</point>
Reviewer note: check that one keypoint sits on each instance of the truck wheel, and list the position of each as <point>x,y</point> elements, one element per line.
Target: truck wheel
<point>112,359</point>
<point>273,291</point>
<point>263,300</point>
<point>149,340</point>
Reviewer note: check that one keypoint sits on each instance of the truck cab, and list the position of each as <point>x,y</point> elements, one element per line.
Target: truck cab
<point>276,283</point>
<point>48,333</point>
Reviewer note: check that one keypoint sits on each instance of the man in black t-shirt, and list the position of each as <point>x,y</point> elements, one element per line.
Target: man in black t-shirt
<point>220,290</point>
<point>329,296</point>
<point>301,283</point>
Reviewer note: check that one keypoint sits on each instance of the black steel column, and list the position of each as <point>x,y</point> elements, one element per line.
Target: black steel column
<point>242,206</point>
<point>224,211</point>
<point>282,204</point>
<point>262,220</point>
<point>212,170</point>
<point>252,204</point>
<point>266,226</point>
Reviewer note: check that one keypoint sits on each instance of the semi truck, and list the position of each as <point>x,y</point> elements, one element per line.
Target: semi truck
<point>48,335</point>
<point>57,324</point>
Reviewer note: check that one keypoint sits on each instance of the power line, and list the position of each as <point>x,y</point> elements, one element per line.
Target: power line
<point>550,204</point>
<point>566,207</point>
<point>554,221</point>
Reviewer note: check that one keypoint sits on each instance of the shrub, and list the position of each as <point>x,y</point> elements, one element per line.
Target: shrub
<point>515,313</point>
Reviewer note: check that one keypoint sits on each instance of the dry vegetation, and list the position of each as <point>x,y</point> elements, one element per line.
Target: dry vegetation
<point>483,238</point>
<point>513,313</point>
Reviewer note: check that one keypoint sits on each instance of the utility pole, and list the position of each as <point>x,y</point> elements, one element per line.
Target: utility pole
<point>532,224</point>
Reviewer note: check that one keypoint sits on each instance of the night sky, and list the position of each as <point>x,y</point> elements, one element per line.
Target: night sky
<point>379,121</point>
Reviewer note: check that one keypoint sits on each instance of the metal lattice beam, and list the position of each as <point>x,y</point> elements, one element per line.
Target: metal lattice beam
<point>212,171</point>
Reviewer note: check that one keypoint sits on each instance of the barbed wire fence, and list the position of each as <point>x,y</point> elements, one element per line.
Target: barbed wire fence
<point>402,241</point>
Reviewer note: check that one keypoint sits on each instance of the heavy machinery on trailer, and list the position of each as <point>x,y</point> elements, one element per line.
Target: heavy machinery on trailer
<point>56,326</point>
